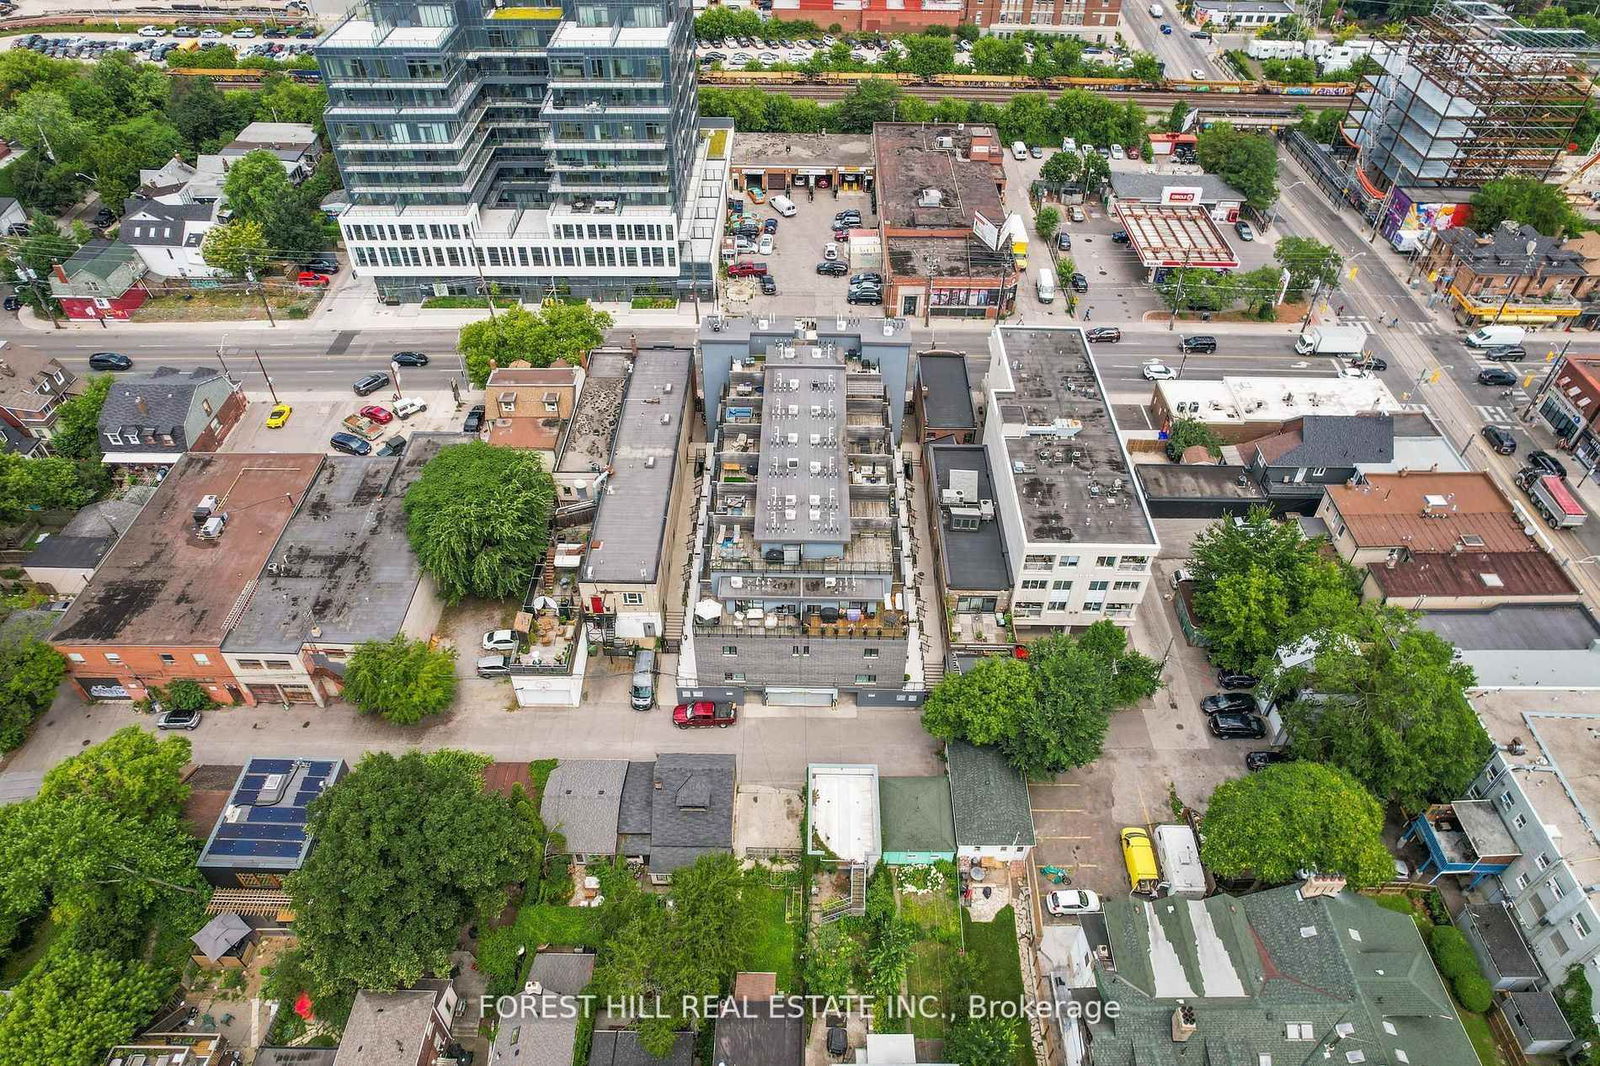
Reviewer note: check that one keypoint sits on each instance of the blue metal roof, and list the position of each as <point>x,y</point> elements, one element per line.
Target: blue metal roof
<point>263,826</point>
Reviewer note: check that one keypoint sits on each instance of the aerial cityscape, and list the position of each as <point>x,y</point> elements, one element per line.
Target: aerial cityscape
<point>793,532</point>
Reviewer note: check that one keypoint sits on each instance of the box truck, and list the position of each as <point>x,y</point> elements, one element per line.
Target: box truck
<point>1494,336</point>
<point>1139,856</point>
<point>1337,341</point>
<point>1179,853</point>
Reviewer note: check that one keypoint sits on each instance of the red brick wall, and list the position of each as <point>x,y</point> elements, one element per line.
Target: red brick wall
<point>227,417</point>
<point>142,666</point>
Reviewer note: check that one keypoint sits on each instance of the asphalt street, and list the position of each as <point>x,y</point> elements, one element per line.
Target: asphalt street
<point>1182,54</point>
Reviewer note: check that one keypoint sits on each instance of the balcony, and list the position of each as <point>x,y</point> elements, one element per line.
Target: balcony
<point>888,625</point>
<point>1465,838</point>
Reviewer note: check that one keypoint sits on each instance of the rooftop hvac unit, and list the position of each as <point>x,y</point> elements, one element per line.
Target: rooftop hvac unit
<point>212,528</point>
<point>205,508</point>
<point>944,142</point>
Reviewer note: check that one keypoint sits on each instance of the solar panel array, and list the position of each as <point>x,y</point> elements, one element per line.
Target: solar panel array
<point>266,816</point>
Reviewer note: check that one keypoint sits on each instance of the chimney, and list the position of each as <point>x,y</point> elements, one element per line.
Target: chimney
<point>1321,885</point>
<point>61,275</point>
<point>139,402</point>
<point>1182,1023</point>
<point>7,369</point>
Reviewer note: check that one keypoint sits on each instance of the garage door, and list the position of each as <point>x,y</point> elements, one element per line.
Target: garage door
<point>802,697</point>
<point>265,694</point>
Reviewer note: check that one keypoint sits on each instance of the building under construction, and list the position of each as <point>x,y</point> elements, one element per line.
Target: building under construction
<point>1471,94</point>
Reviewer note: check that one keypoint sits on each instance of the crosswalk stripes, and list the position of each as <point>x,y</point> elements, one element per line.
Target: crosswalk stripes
<point>1497,414</point>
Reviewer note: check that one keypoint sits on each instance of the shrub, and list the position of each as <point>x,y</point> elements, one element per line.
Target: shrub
<point>1473,993</point>
<point>1451,952</point>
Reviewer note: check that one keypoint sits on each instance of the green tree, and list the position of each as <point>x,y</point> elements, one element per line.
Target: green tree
<point>43,121</point>
<point>1188,432</point>
<point>559,333</point>
<point>197,109</point>
<point>402,680</point>
<point>998,55</point>
<point>1199,289</point>
<point>1296,816</point>
<point>1309,263</point>
<point>927,55</point>
<point>1527,201</point>
<point>872,101</point>
<point>235,247</point>
<point>1247,161</point>
<point>42,484</point>
<point>1062,168</point>
<point>30,673</point>
<point>409,849</point>
<point>127,147</point>
<point>830,962</point>
<point>981,1041</point>
<point>72,1006</point>
<point>478,518</point>
<point>1096,174</point>
<point>1145,68</point>
<point>984,705</point>
<point>1473,992</point>
<point>137,774</point>
<point>1176,117</point>
<point>214,57</point>
<point>1046,222</point>
<point>1451,952</point>
<point>259,190</point>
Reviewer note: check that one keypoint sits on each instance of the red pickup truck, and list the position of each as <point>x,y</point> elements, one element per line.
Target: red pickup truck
<point>746,269</point>
<point>704,713</point>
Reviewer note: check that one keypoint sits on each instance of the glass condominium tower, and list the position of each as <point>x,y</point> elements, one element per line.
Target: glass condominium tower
<point>536,150</point>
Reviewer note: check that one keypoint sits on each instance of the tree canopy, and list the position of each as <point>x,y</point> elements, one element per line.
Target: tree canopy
<point>1049,712</point>
<point>30,672</point>
<point>1309,263</point>
<point>138,774</point>
<point>1296,816</point>
<point>1247,161</point>
<point>1527,201</point>
<point>402,680</point>
<point>409,848</point>
<point>558,333</point>
<point>478,519</point>
<point>77,429</point>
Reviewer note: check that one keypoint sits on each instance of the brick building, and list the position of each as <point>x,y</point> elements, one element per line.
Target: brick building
<point>1514,274</point>
<point>33,387</point>
<point>1093,20</point>
<point>164,598</point>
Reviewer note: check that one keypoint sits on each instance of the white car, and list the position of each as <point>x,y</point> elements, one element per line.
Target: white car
<point>766,246</point>
<point>768,57</point>
<point>210,34</point>
<point>152,31</point>
<point>830,251</point>
<point>829,39</point>
<point>1197,74</point>
<point>1065,901</point>
<point>1117,152</point>
<point>244,33</point>
<point>1159,372</point>
<point>500,640</point>
<point>741,58</point>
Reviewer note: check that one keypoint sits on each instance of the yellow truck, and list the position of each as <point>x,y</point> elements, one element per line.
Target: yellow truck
<point>1139,855</point>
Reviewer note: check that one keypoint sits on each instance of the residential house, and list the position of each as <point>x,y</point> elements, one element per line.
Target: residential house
<point>33,386</point>
<point>581,801</point>
<point>1308,454</point>
<point>621,1047</point>
<point>976,575</point>
<point>261,836</point>
<point>342,573</point>
<point>177,1048</point>
<point>164,598</point>
<point>1271,977</point>
<point>1512,274</point>
<point>168,236</point>
<point>154,418</point>
<point>532,407</point>
<point>99,280</point>
<point>1570,405</point>
<point>410,1027</point>
<point>675,810</point>
<point>944,398</point>
<point>62,563</point>
<point>989,802</point>
<point>168,179</point>
<point>757,1027</point>
<point>918,822</point>
<point>294,144</point>
<point>1441,540</point>
<point>543,1031</point>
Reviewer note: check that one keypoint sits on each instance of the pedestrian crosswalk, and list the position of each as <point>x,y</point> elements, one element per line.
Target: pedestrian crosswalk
<point>1428,328</point>
<point>1496,414</point>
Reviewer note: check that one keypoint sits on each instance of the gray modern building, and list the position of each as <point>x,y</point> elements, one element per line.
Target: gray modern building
<point>534,149</point>
<point>803,574</point>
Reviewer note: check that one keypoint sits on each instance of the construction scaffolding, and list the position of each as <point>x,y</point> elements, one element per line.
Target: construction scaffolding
<point>1469,95</point>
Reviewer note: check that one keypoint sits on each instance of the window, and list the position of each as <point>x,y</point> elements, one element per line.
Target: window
<point>733,675</point>
<point>1069,560</point>
<point>249,664</point>
<point>1138,562</point>
<point>205,405</point>
<point>1105,560</point>
<point>1061,586</point>
<point>869,653</point>
<point>1028,609</point>
<point>1522,882</point>
<point>75,657</point>
<point>1542,861</point>
<point>1059,605</point>
<point>202,659</point>
<point>1519,821</point>
<point>633,599</point>
<point>1125,586</point>
<point>1099,586</point>
<point>1556,891</point>
<point>1035,585</point>
<point>1319,471</point>
<point>1039,562</point>
<point>113,657</point>
<point>1093,607</point>
<point>1494,771</point>
<point>730,649</point>
<point>168,660</point>
<point>1580,928</point>
<point>800,651</point>
<point>866,679</point>
<point>114,438</point>
<point>278,664</point>
<point>1507,799</point>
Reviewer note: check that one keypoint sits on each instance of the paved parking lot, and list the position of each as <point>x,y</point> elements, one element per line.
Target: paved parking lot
<point>793,263</point>
<point>316,417</point>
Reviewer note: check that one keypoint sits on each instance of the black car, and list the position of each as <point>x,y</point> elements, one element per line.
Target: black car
<point>847,218</point>
<point>1236,679</point>
<point>13,303</point>
<point>1260,760</point>
<point>110,361</point>
<point>475,418</point>
<point>1236,726</point>
<point>1064,241</point>
<point>1500,440</point>
<point>1200,35</point>
<point>1506,353</point>
<point>274,33</point>
<point>865,296</point>
<point>393,446</point>
<point>350,444</point>
<point>833,268</point>
<point>104,217</point>
<point>1371,362</point>
<point>324,266</point>
<point>1080,283</point>
<point>371,384</point>
<point>1105,334</point>
<point>409,359</point>
<point>1204,344</point>
<point>1546,463</point>
<point>1119,236</point>
<point>769,285</point>
<point>1229,703</point>
<point>869,278</point>
<point>1496,375</point>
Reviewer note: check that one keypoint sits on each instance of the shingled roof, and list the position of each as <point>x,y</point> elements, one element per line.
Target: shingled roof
<point>989,798</point>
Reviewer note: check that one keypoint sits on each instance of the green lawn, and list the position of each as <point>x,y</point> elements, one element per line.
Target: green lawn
<point>993,946</point>
<point>567,926</point>
<point>28,951</point>
<point>1477,1027</point>
<point>934,958</point>
<point>773,948</point>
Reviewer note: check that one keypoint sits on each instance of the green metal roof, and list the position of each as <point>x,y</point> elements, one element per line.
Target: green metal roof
<point>915,812</point>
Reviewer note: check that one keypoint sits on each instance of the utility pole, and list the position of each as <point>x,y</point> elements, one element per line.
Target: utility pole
<point>1549,377</point>
<point>483,282</point>
<point>221,344</point>
<point>31,276</point>
<point>1177,302</point>
<point>264,374</point>
<point>261,290</point>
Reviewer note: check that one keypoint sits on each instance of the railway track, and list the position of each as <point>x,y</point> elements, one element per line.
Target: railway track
<point>1199,101</point>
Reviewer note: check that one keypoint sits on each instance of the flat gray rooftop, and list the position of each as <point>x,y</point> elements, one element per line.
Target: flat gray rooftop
<point>342,564</point>
<point>803,496</point>
<point>1072,477</point>
<point>946,391</point>
<point>626,538</point>
<point>782,150</point>
<point>1532,627</point>
<point>973,559</point>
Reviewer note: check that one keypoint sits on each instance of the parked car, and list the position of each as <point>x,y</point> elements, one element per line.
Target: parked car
<point>865,296</point>
<point>1228,703</point>
<point>350,444</point>
<point>1119,236</point>
<point>152,31</point>
<point>747,269</point>
<point>474,419</point>
<point>504,640</point>
<point>1159,372</point>
<point>1260,760</point>
<point>1036,152</point>
<point>1245,231</point>
<point>1117,152</point>
<point>393,446</point>
<point>769,285</point>
<point>1064,901</point>
<point>766,245</point>
<point>110,361</point>
<point>1104,335</point>
<point>179,720</point>
<point>1500,440</point>
<point>1372,363</point>
<point>849,219</point>
<point>279,415</point>
<point>407,406</point>
<point>833,268</point>
<point>371,384</point>
<point>381,415</point>
<point>1506,353</point>
<point>409,359</point>
<point>1200,35</point>
<point>1236,726</point>
<point>769,226</point>
<point>1497,375</point>
<point>1203,344</point>
<point>869,277</point>
<point>323,265</point>
<point>1546,463</point>
<point>310,279</point>
<point>830,251</point>
<point>210,34</point>
<point>244,33</point>
<point>704,713</point>
<point>13,303</point>
<point>1236,678</point>
<point>494,665</point>
<point>1079,283</point>
<point>1064,241</point>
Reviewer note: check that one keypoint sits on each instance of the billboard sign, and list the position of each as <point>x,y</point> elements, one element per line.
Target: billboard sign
<point>1182,194</point>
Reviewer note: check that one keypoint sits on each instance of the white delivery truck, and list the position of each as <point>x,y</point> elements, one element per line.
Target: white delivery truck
<point>1179,853</point>
<point>1493,336</point>
<point>1337,341</point>
<point>1047,284</point>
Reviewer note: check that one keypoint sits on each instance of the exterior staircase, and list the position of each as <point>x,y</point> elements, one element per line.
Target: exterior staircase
<point>855,904</point>
<point>932,673</point>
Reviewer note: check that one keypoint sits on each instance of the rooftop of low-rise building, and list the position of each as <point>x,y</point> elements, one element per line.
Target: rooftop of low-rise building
<point>286,140</point>
<point>1061,446</point>
<point>973,551</point>
<point>1175,235</point>
<point>1245,399</point>
<point>1141,185</point>
<point>937,175</point>
<point>30,379</point>
<point>782,150</point>
<point>263,826</point>
<point>387,1028</point>
<point>99,258</point>
<point>988,798</point>
<point>946,391</point>
<point>804,495</point>
<point>163,584</point>
<point>1512,249</point>
<point>946,257</point>
<point>170,1049</point>
<point>1523,574</point>
<point>598,413</point>
<point>1328,441</point>
<point>1427,511</point>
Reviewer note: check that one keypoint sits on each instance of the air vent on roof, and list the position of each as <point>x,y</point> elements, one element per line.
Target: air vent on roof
<point>234,813</point>
<point>1307,932</point>
<point>1471,540</point>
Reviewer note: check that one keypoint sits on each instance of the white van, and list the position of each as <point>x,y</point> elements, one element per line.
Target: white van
<point>783,205</point>
<point>1491,336</point>
<point>1068,144</point>
<point>1019,150</point>
<point>405,407</point>
<point>1047,285</point>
